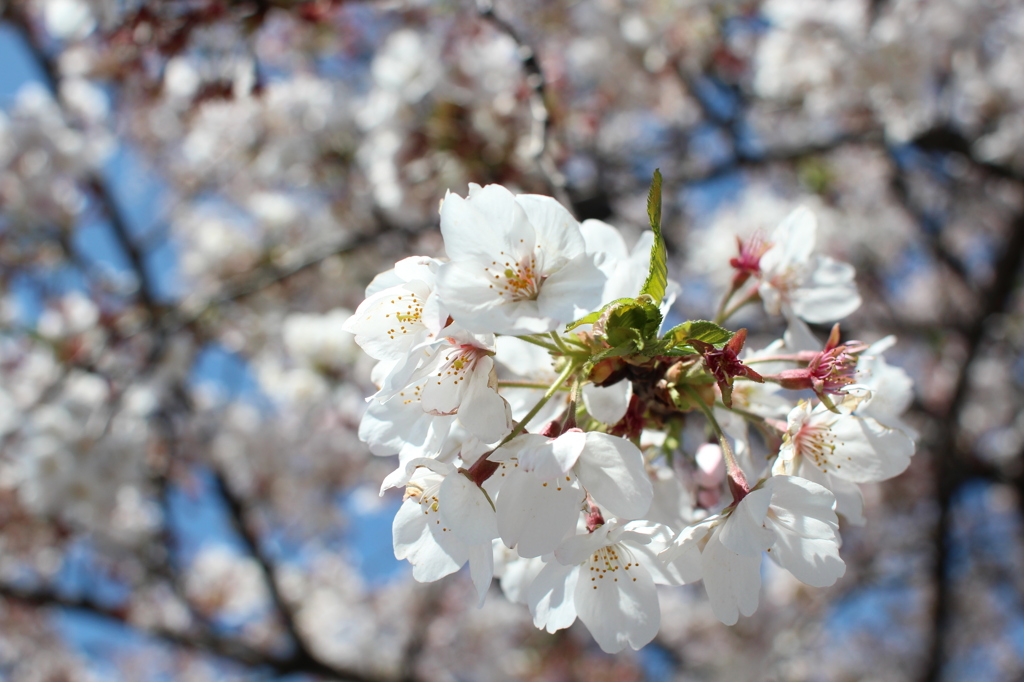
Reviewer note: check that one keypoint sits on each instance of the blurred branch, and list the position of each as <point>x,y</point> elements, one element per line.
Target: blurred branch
<point>541,127</point>
<point>928,226</point>
<point>93,181</point>
<point>239,521</point>
<point>206,642</point>
<point>950,468</point>
<point>259,279</point>
<point>950,141</point>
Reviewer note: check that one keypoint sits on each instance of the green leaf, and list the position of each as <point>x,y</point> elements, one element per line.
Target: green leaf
<point>702,330</point>
<point>629,321</point>
<point>675,352</point>
<point>618,351</point>
<point>657,275</point>
<point>596,315</point>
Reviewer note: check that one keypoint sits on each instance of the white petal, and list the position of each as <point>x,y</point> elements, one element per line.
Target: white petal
<point>685,551</point>
<point>579,548</point>
<point>481,569</point>
<point>535,515</point>
<point>799,337</point>
<point>866,451</point>
<point>743,531</point>
<point>572,291</point>
<point>551,597</point>
<point>517,577</point>
<point>619,608</point>
<point>389,323</point>
<point>556,229</point>
<point>612,470</point>
<point>828,292</point>
<point>567,448</point>
<point>402,427</point>
<point>804,521</point>
<point>482,411</point>
<point>483,225</point>
<point>732,581</point>
<point>793,241</point>
<point>417,536</point>
<point>608,404</point>
<point>465,508</point>
<point>605,241</point>
<point>849,498</point>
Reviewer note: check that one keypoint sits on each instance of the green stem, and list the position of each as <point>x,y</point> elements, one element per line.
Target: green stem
<point>732,467</point>
<point>565,350</point>
<point>537,342</point>
<point>752,296</point>
<point>566,373</point>
<point>749,416</point>
<point>720,316</point>
<point>525,384</point>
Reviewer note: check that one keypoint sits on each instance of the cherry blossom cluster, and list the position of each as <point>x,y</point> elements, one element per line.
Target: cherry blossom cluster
<point>551,432</point>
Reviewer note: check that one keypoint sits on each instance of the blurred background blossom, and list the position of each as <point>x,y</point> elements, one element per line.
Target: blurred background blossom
<point>194,194</point>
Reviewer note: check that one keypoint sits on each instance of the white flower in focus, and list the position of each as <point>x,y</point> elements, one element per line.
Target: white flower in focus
<point>457,377</point>
<point>840,450</point>
<point>400,311</point>
<point>791,518</point>
<point>401,426</point>
<point>607,578</point>
<point>445,520</point>
<point>540,498</point>
<point>858,449</point>
<point>518,263</point>
<point>796,282</point>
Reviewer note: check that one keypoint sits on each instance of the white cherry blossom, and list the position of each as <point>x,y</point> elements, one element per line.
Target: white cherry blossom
<point>606,578</point>
<point>400,310</point>
<point>457,377</point>
<point>858,449</point>
<point>518,263</point>
<point>543,481</point>
<point>400,426</point>
<point>445,520</point>
<point>796,282</point>
<point>792,519</point>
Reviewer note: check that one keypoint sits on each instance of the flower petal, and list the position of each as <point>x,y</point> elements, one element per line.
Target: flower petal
<point>534,514</point>
<point>732,581</point>
<point>612,470</point>
<point>619,608</point>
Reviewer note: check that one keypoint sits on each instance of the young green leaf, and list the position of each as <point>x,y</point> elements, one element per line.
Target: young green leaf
<point>702,330</point>
<point>596,315</point>
<point>632,321</point>
<point>657,275</point>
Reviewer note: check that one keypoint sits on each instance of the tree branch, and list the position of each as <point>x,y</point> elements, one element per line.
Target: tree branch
<point>207,643</point>
<point>541,128</point>
<point>949,466</point>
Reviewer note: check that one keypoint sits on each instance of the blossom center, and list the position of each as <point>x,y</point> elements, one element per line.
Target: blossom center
<point>817,443</point>
<point>519,280</point>
<point>748,262</point>
<point>407,311</point>
<point>605,564</point>
<point>458,362</point>
<point>424,492</point>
